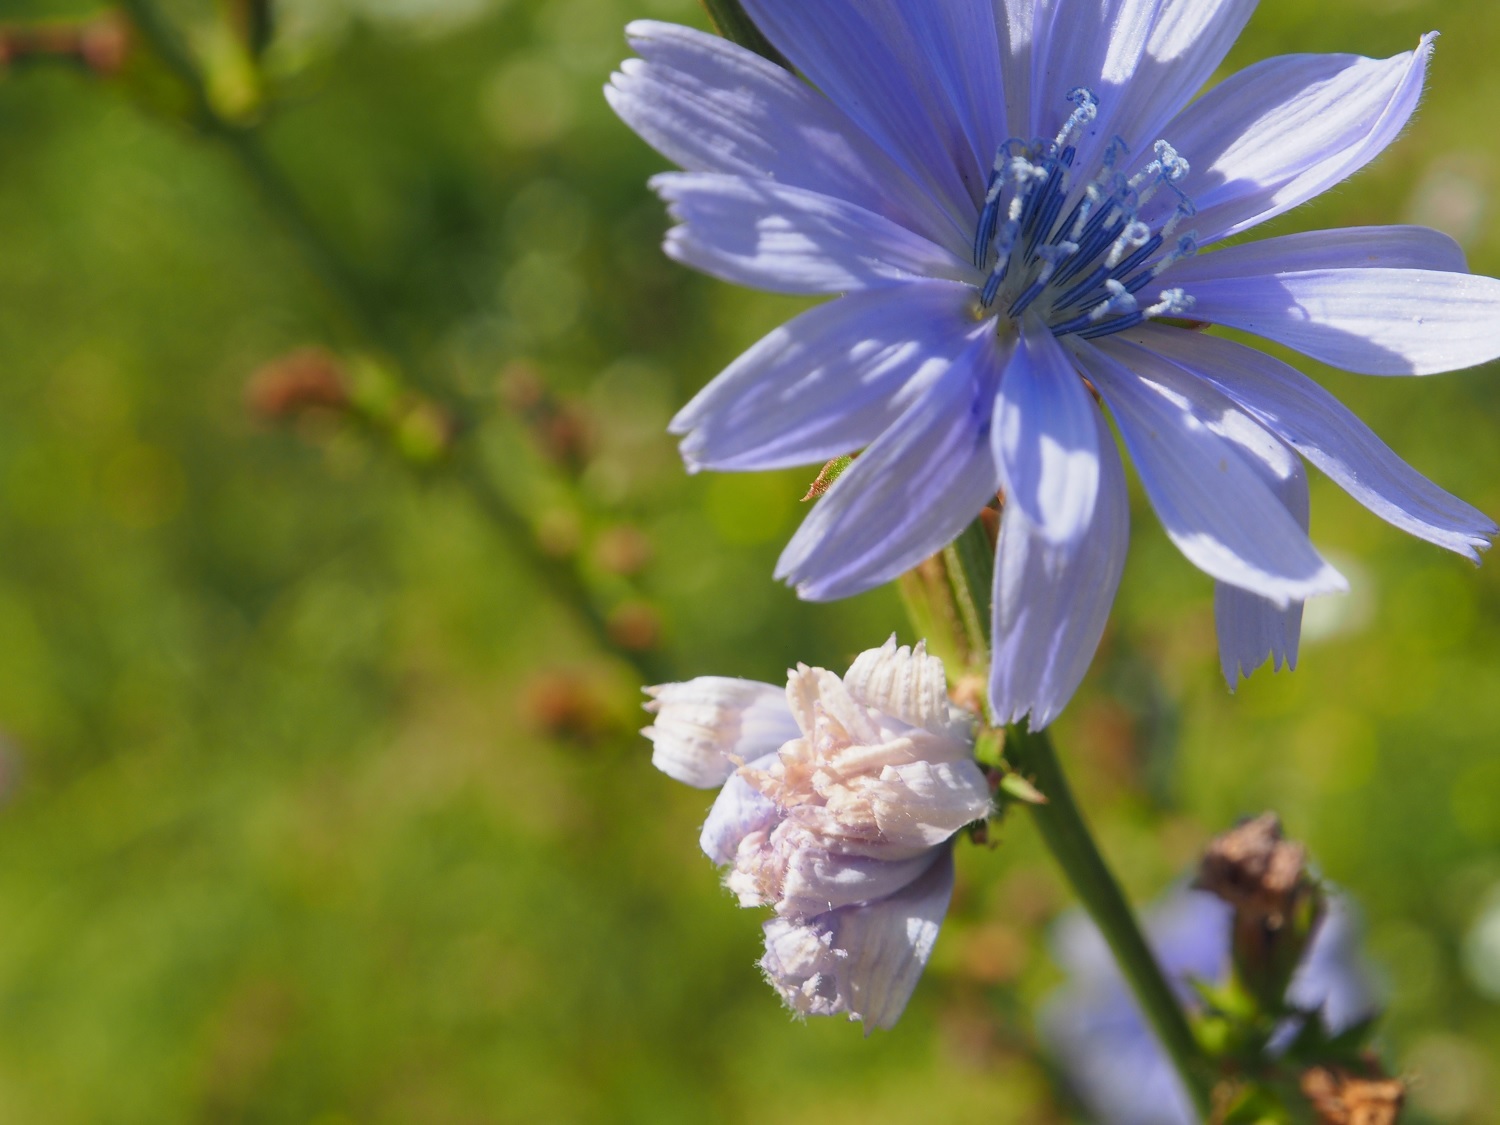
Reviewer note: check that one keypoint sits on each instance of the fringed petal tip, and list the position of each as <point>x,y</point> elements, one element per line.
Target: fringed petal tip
<point>1480,544</point>
<point>704,727</point>
<point>1253,630</point>
<point>906,683</point>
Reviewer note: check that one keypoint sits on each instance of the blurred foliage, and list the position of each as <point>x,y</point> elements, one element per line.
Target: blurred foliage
<point>318,810</point>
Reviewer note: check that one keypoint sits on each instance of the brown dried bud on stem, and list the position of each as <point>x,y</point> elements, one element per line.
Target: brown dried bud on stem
<point>623,550</point>
<point>1277,905</point>
<point>562,430</point>
<point>310,379</point>
<point>1255,870</point>
<point>635,626</point>
<point>566,705</point>
<point>101,44</point>
<point>1342,1098</point>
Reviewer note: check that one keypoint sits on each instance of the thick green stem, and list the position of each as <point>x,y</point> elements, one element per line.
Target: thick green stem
<point>737,27</point>
<point>344,284</point>
<point>1067,836</point>
<point>1072,845</point>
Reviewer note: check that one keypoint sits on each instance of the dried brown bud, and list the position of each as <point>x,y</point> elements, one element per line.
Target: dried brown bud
<point>1255,870</point>
<point>564,430</point>
<point>101,44</point>
<point>635,626</point>
<point>568,436</point>
<point>1341,1098</point>
<point>565,705</point>
<point>310,379</point>
<point>989,519</point>
<point>623,550</point>
<point>104,44</point>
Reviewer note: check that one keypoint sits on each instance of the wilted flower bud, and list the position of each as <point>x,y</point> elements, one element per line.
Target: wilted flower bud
<point>1341,1098</point>
<point>1277,905</point>
<point>840,799</point>
<point>1256,870</point>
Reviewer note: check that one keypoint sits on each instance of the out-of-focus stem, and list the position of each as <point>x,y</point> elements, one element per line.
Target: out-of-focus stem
<point>243,142</point>
<point>1067,836</point>
<point>340,280</point>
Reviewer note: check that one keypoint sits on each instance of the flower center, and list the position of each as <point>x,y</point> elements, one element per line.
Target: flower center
<point>1080,258</point>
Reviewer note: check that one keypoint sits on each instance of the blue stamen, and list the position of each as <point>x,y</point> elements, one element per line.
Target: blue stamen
<point>1036,198</point>
<point>992,286</point>
<point>1051,257</point>
<point>1120,324</point>
<point>1068,327</point>
<point>989,218</point>
<point>1128,266</point>
<point>1090,245</point>
<point>1082,289</point>
<point>1054,197</point>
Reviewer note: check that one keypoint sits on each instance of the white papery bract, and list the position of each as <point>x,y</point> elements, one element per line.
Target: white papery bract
<point>1010,201</point>
<point>841,796</point>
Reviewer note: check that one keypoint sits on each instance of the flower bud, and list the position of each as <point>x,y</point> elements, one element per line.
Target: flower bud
<point>1255,870</point>
<point>1277,906</point>
<point>841,797</point>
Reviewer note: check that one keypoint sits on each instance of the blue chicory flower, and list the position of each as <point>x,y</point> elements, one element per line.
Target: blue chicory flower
<point>1007,198</point>
<point>1095,1030</point>
<point>840,798</point>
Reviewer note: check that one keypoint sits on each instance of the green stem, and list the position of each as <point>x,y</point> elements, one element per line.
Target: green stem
<point>737,27</point>
<point>1067,836</point>
<point>340,280</point>
<point>1072,845</point>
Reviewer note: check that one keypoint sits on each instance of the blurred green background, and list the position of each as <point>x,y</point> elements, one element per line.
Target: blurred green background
<point>317,808</point>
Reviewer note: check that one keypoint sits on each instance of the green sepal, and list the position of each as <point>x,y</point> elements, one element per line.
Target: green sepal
<point>830,473</point>
<point>1015,786</point>
<point>733,24</point>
